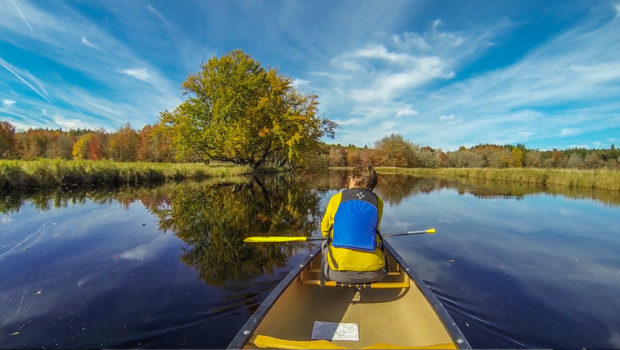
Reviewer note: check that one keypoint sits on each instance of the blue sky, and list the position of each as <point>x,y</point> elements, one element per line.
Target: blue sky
<point>440,73</point>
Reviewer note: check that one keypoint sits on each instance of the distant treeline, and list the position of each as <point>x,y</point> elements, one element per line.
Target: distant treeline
<point>150,144</point>
<point>153,143</point>
<point>394,151</point>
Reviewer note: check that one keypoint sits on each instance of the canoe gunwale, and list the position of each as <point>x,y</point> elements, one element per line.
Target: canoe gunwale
<point>250,325</point>
<point>455,332</point>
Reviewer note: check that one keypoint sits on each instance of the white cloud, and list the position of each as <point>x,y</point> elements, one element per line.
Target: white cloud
<point>7,103</point>
<point>67,123</point>
<point>16,72</point>
<point>116,100</point>
<point>22,15</point>
<point>569,132</point>
<point>565,86</point>
<point>138,73</point>
<point>138,253</point>
<point>406,112</point>
<point>298,83</point>
<point>525,135</point>
<point>5,219</point>
<point>85,41</point>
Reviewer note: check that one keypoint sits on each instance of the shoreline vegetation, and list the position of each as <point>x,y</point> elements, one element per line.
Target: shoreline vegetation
<point>603,179</point>
<point>57,173</point>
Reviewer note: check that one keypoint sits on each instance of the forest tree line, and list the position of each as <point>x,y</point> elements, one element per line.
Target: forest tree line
<point>394,150</point>
<point>153,144</point>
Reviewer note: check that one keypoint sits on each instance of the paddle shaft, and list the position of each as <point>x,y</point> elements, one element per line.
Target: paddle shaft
<point>432,230</point>
<point>282,239</point>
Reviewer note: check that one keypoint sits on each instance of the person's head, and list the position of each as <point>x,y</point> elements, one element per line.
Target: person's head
<point>364,177</point>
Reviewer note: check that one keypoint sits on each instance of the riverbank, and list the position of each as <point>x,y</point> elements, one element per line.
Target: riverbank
<point>47,173</point>
<point>604,179</point>
<point>600,179</point>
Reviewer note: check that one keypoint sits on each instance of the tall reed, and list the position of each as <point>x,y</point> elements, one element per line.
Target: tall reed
<point>606,179</point>
<point>48,173</point>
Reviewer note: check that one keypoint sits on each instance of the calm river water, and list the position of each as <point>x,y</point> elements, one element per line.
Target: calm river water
<point>165,267</point>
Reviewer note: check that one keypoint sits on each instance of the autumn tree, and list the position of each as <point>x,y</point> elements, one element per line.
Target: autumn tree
<point>155,144</point>
<point>533,159</point>
<point>464,158</point>
<point>393,150</point>
<point>91,146</point>
<point>124,144</point>
<point>428,158</point>
<point>240,112</point>
<point>516,158</point>
<point>61,145</point>
<point>33,143</point>
<point>7,139</point>
<point>80,147</point>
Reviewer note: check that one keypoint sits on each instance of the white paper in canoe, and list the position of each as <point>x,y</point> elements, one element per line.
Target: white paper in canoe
<point>335,331</point>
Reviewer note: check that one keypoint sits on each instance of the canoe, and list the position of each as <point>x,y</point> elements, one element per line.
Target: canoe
<point>399,311</point>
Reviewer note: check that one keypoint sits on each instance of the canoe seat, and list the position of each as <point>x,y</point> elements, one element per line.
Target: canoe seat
<point>263,341</point>
<point>388,283</point>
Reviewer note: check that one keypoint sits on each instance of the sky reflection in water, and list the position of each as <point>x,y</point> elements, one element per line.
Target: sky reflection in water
<point>516,267</point>
<point>541,271</point>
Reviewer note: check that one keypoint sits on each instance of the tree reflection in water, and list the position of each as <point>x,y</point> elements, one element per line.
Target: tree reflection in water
<point>213,220</point>
<point>213,217</point>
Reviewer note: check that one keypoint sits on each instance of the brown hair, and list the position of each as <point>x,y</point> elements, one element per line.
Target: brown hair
<point>365,177</point>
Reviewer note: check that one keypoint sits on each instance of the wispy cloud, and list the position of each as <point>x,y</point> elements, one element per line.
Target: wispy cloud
<point>22,15</point>
<point>138,73</point>
<point>85,41</point>
<point>568,132</point>
<point>407,111</point>
<point>554,90</point>
<point>113,102</point>
<point>7,103</point>
<point>12,70</point>
<point>67,124</point>
<point>429,75</point>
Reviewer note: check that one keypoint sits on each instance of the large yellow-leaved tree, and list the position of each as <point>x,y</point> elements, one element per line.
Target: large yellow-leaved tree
<point>240,112</point>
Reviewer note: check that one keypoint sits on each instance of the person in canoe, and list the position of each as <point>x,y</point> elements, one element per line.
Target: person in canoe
<point>353,252</point>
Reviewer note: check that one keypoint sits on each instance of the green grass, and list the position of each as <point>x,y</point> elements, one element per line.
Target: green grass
<point>605,179</point>
<point>47,173</point>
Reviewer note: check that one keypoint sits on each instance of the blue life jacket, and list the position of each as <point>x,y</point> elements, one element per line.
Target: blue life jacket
<point>356,220</point>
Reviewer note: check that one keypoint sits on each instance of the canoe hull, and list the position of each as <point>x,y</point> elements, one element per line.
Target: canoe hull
<point>402,313</point>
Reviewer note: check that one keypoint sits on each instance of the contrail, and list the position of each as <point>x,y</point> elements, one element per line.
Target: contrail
<point>23,80</point>
<point>77,109</point>
<point>21,14</point>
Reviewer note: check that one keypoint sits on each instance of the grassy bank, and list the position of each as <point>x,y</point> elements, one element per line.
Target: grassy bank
<point>604,179</point>
<point>46,173</point>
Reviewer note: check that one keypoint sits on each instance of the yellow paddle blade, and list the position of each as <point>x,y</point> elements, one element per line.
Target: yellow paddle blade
<point>274,239</point>
<point>430,230</point>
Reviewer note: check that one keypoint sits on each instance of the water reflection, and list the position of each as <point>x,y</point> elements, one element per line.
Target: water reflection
<point>213,220</point>
<point>394,188</point>
<point>110,278</point>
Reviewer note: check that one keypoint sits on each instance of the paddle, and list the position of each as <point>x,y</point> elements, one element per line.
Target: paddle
<point>281,239</point>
